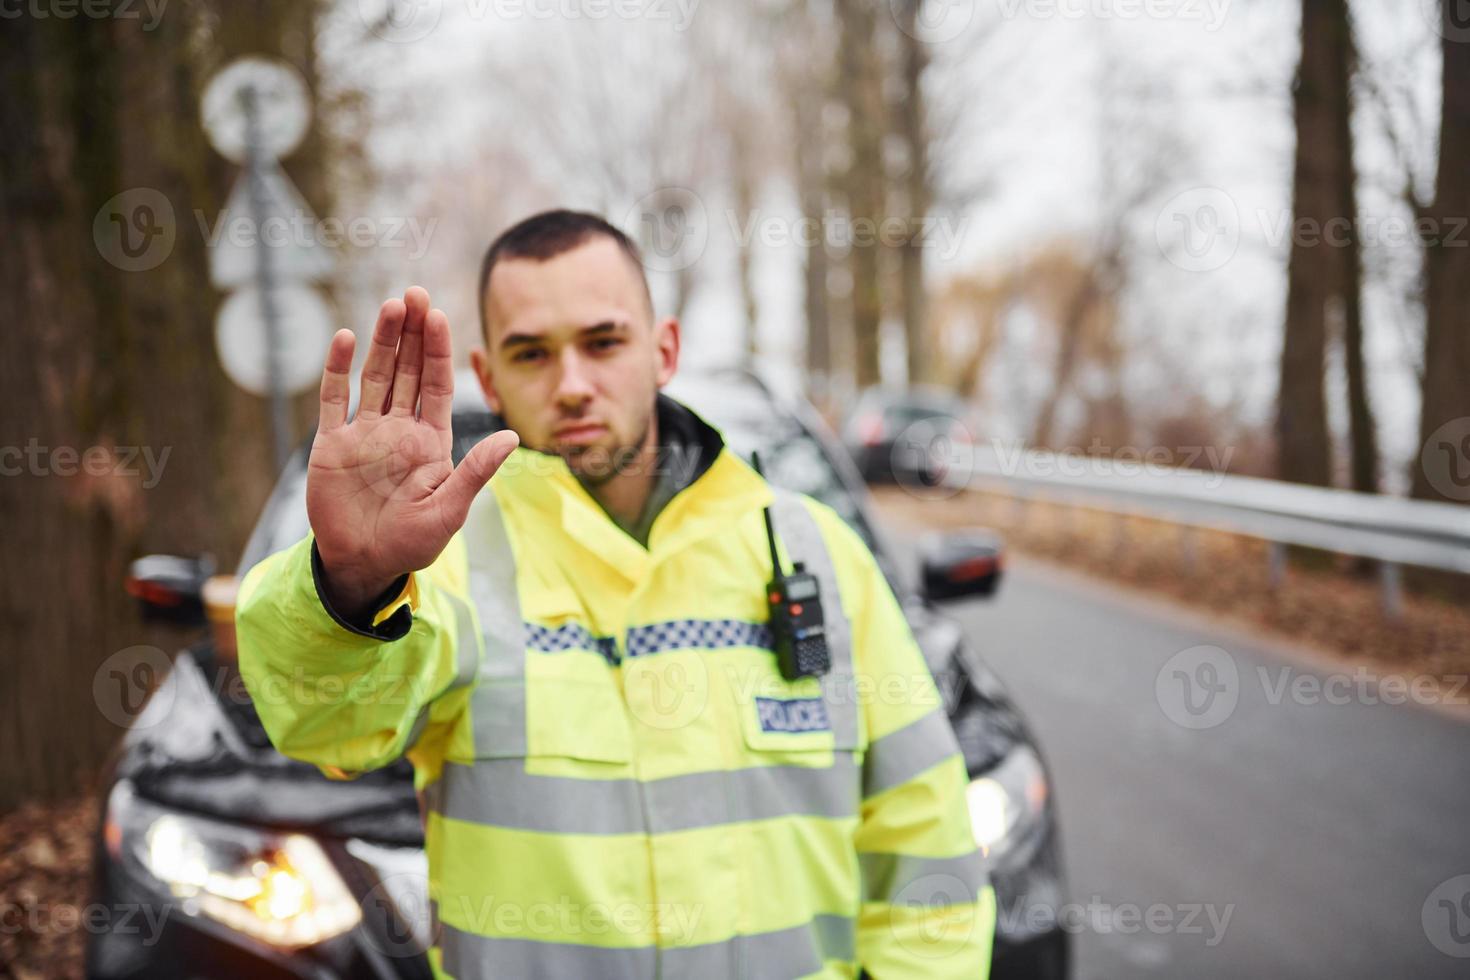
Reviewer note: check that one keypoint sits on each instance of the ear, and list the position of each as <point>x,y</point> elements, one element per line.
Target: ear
<point>480,361</point>
<point>666,339</point>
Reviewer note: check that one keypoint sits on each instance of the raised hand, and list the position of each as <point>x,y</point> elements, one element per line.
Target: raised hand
<point>382,492</point>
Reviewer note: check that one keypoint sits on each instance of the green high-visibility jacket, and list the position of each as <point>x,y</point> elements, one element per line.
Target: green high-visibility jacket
<point>616,779</point>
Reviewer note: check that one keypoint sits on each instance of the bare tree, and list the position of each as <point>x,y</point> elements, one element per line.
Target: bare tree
<point>860,81</point>
<point>1314,271</point>
<point>119,357</point>
<point>910,124</point>
<point>1447,273</point>
<point>1362,429</point>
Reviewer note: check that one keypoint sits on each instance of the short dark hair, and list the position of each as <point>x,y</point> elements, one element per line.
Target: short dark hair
<point>545,236</point>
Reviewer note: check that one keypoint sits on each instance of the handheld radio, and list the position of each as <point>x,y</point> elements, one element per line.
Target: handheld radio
<point>798,629</point>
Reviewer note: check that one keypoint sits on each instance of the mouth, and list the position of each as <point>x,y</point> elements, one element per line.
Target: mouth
<point>581,434</point>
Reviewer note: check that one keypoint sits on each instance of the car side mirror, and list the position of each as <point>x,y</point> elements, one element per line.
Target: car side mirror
<point>170,589</point>
<point>960,564</point>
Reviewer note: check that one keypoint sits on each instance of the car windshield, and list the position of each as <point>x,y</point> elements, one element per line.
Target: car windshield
<point>791,457</point>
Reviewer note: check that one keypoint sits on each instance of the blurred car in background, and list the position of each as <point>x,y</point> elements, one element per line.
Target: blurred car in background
<point>258,866</point>
<point>908,435</point>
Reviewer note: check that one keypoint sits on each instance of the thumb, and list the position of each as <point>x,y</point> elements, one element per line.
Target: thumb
<point>455,494</point>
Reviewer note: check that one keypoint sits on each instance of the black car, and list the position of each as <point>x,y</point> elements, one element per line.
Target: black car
<point>200,809</point>
<point>914,436</point>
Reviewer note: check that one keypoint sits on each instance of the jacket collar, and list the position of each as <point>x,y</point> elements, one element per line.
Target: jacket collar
<point>719,488</point>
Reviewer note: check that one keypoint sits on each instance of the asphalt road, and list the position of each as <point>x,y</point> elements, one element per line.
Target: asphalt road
<point>1319,822</point>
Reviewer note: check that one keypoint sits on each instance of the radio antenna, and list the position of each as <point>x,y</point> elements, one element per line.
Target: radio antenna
<point>755,462</point>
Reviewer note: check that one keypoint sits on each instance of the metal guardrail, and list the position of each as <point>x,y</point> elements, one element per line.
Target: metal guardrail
<point>1389,530</point>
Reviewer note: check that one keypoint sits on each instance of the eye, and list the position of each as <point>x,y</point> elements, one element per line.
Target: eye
<point>604,344</point>
<point>527,355</point>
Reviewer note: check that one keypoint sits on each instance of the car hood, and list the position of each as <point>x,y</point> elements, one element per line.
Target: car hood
<point>199,746</point>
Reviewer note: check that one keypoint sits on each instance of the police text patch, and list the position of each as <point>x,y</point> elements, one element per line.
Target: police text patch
<point>795,715</point>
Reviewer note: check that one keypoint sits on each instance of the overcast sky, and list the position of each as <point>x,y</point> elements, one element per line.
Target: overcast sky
<point>1066,91</point>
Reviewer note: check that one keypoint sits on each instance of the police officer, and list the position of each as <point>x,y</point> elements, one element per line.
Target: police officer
<point>570,637</point>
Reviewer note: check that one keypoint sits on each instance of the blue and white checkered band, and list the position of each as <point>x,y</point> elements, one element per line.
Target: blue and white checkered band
<point>570,636</point>
<point>683,634</point>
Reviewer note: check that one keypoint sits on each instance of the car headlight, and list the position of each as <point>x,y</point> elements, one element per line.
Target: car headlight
<point>1006,802</point>
<point>279,888</point>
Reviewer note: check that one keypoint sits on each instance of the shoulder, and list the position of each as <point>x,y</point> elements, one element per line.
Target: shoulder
<point>852,561</point>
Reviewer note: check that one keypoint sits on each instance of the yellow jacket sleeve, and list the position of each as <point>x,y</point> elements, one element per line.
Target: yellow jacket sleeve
<point>928,909</point>
<point>342,699</point>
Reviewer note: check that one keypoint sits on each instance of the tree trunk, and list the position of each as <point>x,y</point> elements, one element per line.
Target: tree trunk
<point>860,82</point>
<point>745,207</point>
<point>1362,430</point>
<point>910,125</point>
<point>1444,420</point>
<point>119,358</point>
<point>1303,442</point>
<point>811,191</point>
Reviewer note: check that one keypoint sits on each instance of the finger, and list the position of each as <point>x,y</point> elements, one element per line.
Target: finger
<point>336,385</point>
<point>437,406</point>
<point>377,371</point>
<point>410,363</point>
<point>455,494</point>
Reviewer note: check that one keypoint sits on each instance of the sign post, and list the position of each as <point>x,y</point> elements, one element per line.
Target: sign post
<point>255,112</point>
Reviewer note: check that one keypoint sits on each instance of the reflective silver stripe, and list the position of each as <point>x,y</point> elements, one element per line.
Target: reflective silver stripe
<point>500,793</point>
<point>467,660</point>
<point>792,952</point>
<point>467,956</point>
<point>899,756</point>
<point>804,543</point>
<point>498,705</point>
<point>467,645</point>
<point>951,880</point>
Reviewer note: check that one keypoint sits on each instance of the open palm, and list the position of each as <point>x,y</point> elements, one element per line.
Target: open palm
<point>382,491</point>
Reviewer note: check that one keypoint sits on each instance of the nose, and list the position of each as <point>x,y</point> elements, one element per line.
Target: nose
<point>574,387</point>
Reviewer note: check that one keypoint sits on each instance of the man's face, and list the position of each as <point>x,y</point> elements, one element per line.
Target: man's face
<point>574,358</point>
